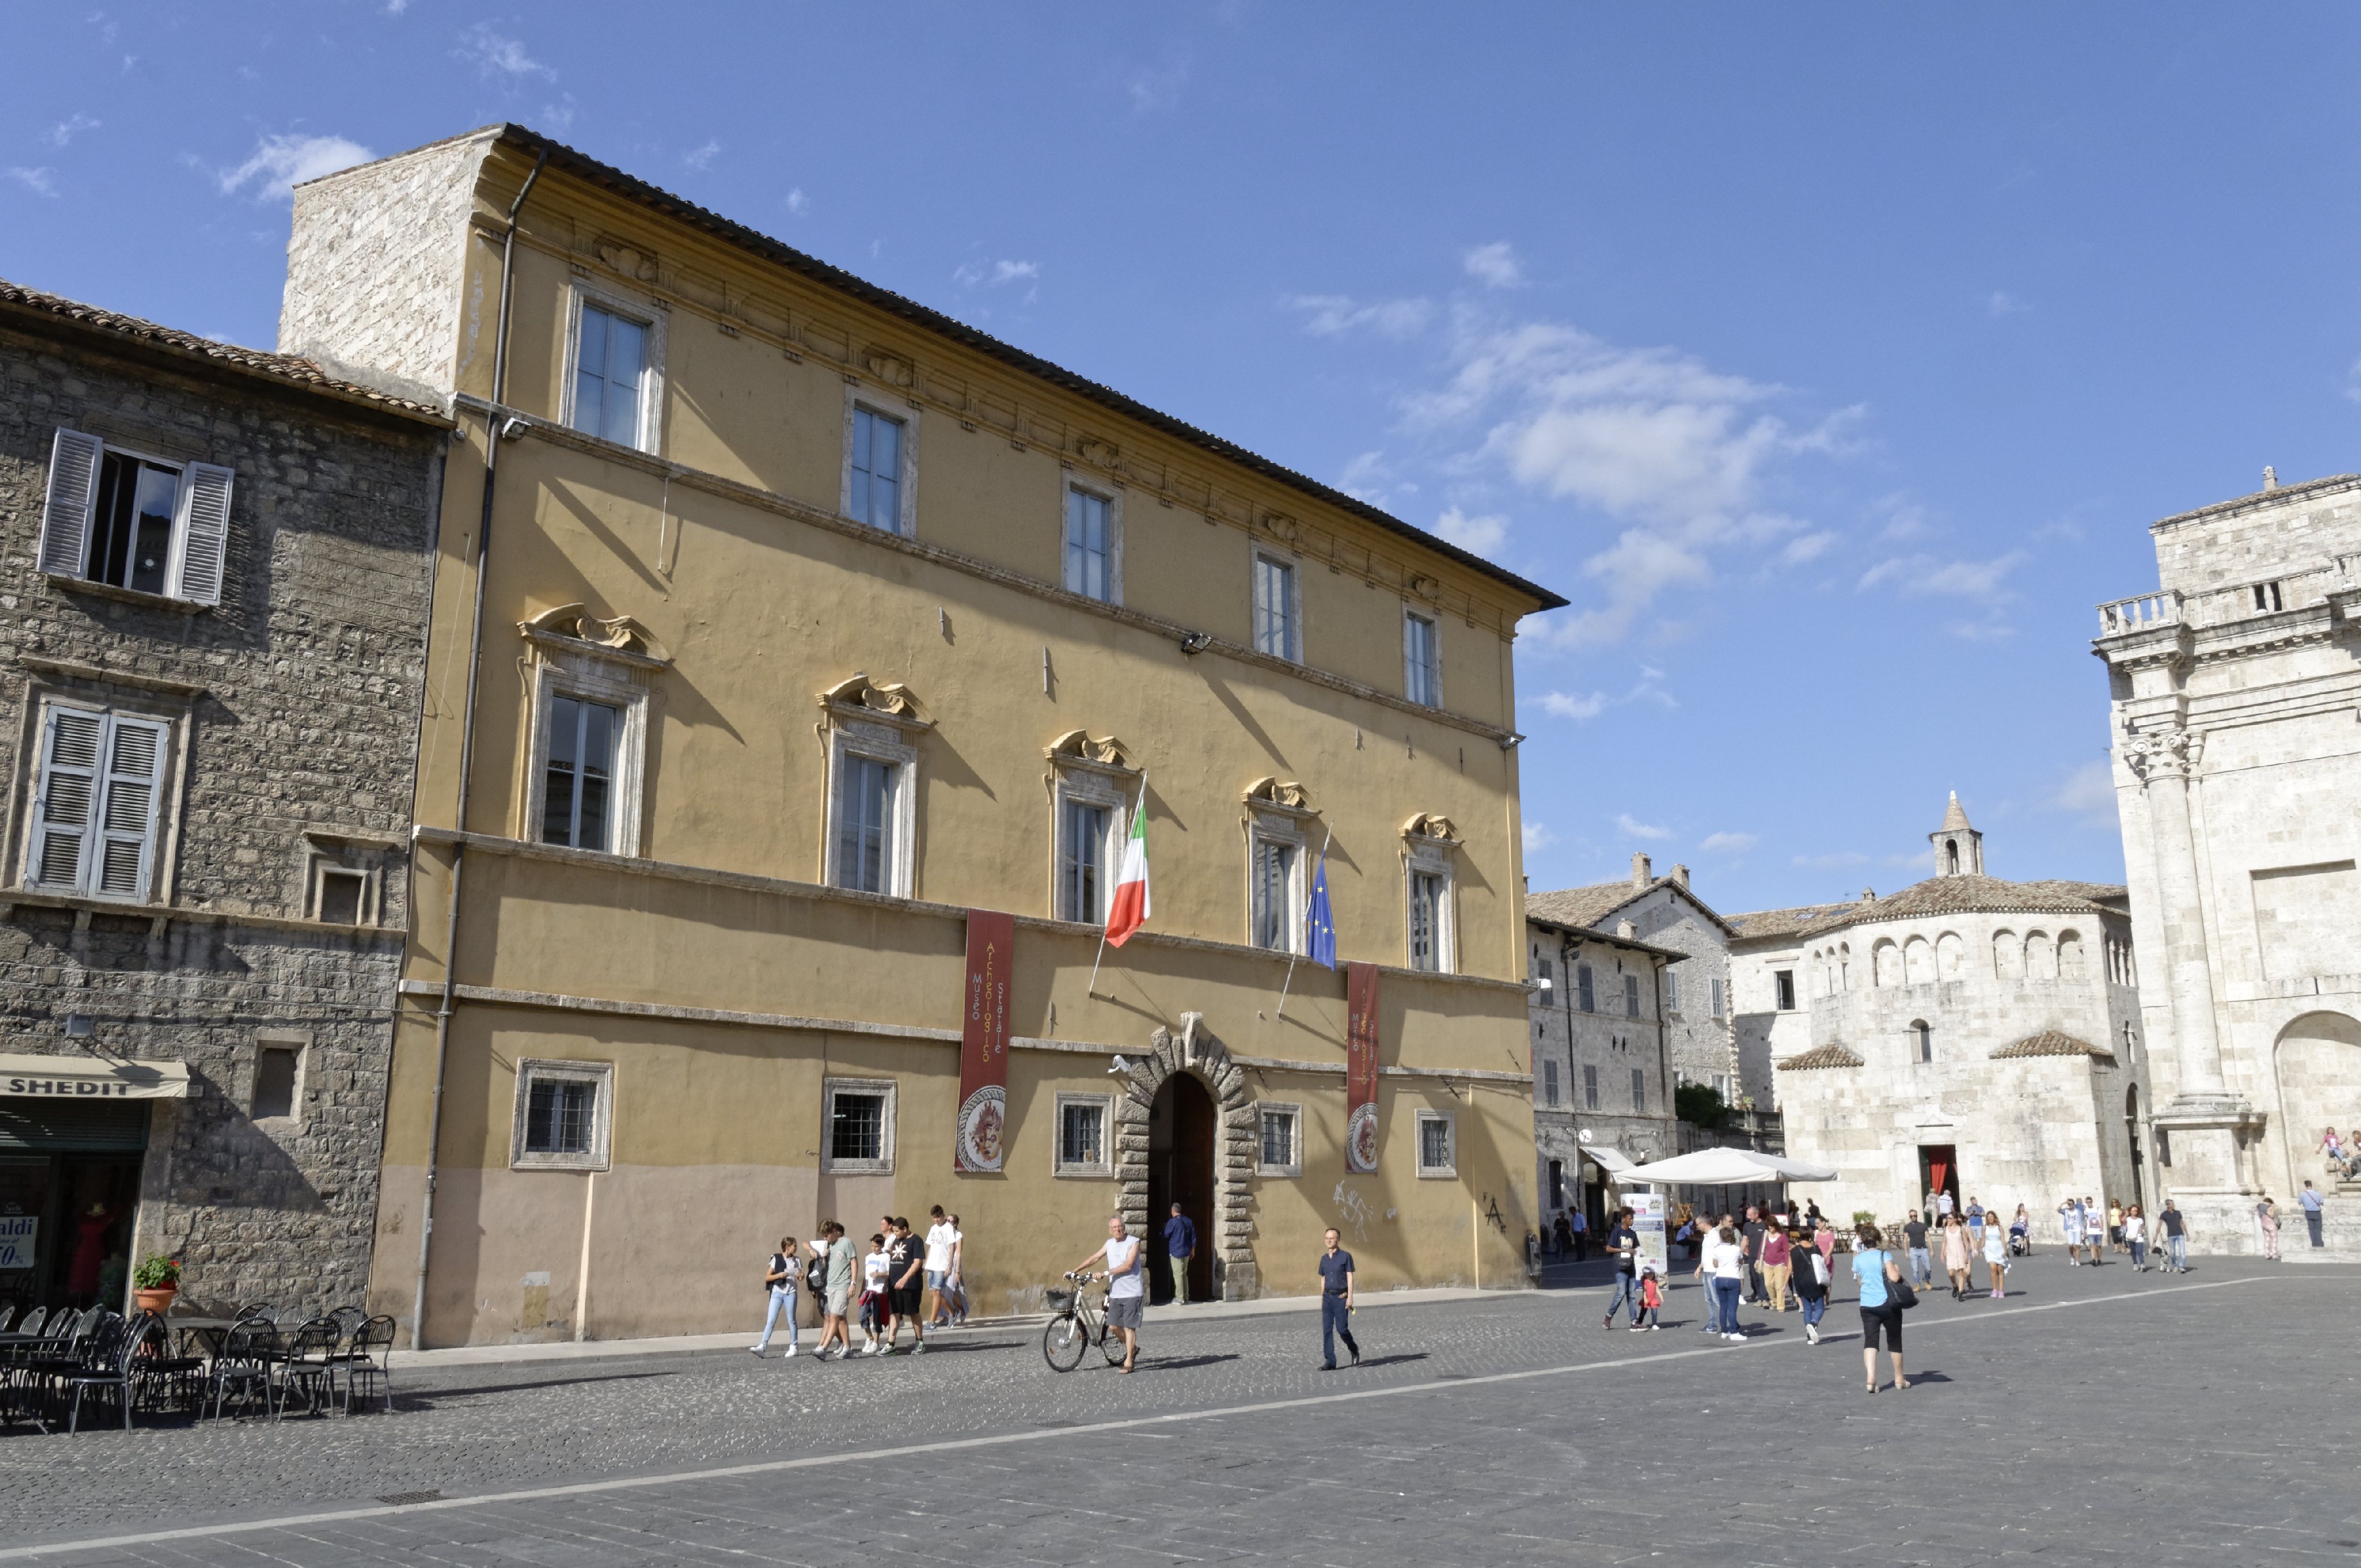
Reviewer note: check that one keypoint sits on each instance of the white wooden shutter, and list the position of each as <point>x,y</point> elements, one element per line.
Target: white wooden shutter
<point>72,745</point>
<point>74,489</point>
<point>126,835</point>
<point>200,542</point>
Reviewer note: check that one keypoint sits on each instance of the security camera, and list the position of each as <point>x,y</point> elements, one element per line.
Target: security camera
<point>513,428</point>
<point>1120,1066</point>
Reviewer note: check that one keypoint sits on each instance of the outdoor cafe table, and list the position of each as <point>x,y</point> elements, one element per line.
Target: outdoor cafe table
<point>208,1331</point>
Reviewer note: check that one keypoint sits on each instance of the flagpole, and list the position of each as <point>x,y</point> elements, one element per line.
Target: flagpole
<point>1092,989</point>
<point>1292,956</point>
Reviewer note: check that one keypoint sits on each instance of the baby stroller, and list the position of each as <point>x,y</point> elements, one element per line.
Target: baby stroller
<point>2020,1244</point>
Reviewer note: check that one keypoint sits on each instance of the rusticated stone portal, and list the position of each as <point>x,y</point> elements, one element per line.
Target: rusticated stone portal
<point>1194,1051</point>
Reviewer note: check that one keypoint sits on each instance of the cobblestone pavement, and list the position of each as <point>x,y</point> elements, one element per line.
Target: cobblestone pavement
<point>2096,1416</point>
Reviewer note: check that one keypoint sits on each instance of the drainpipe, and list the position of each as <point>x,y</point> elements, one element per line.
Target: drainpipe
<point>467,749</point>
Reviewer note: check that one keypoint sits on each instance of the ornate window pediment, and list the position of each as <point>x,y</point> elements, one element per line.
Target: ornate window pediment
<point>1079,748</point>
<point>1280,795</point>
<point>859,698</point>
<point>569,626</point>
<point>1432,830</point>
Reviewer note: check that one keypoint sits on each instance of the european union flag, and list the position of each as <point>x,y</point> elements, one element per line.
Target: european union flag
<point>1319,925</point>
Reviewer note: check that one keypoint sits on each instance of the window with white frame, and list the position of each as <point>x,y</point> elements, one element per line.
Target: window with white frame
<point>871,831</point>
<point>864,823</point>
<point>564,1112</point>
<point>95,802</point>
<point>1093,557</point>
<point>1274,893</point>
<point>1083,1128</point>
<point>588,744</point>
<point>1430,919</point>
<point>1438,1153</point>
<point>859,1133</point>
<point>1713,996</point>
<point>342,895</point>
<point>1281,1149</point>
<point>131,521</point>
<point>1671,981</point>
<point>873,485</point>
<point>613,373</point>
<point>1276,613</point>
<point>1422,659</point>
<point>1084,829</point>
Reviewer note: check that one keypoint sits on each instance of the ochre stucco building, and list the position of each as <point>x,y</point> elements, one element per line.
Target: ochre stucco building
<point>811,621</point>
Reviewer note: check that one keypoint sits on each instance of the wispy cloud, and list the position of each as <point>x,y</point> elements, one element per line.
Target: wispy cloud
<point>283,162</point>
<point>1156,90</point>
<point>1563,705</point>
<point>495,56</point>
<point>1538,837</point>
<point>1631,826</point>
<point>1726,843</point>
<point>1837,861</point>
<point>2002,303</point>
<point>1481,534</point>
<point>1495,266</point>
<point>1806,547</point>
<point>1334,315</point>
<point>977,272</point>
<point>1579,706</point>
<point>41,181</point>
<point>2088,795</point>
<point>65,131</point>
<point>797,202</point>
<point>1925,576</point>
<point>702,157</point>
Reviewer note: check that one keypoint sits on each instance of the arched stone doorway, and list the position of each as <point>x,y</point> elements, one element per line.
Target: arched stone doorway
<point>1209,1138</point>
<point>2318,1063</point>
<point>1184,1130</point>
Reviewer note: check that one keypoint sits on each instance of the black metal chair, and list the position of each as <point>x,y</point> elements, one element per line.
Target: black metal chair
<point>105,1363</point>
<point>310,1365</point>
<point>244,1365</point>
<point>54,1358</point>
<point>161,1371</point>
<point>369,1363</point>
<point>7,1316</point>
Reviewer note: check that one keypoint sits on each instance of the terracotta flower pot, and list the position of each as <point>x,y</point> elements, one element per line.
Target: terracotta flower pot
<point>159,1301</point>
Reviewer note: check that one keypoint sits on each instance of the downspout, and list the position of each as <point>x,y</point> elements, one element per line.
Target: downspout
<point>468,750</point>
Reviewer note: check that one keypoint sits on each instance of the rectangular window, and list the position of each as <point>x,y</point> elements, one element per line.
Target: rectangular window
<point>274,1081</point>
<point>1784,980</point>
<point>1081,852</point>
<point>1544,967</point>
<point>610,369</point>
<point>1274,902</point>
<point>1282,1141</point>
<point>1421,671</point>
<point>578,784</point>
<point>1586,989</point>
<point>340,896</point>
<point>1090,545</point>
<point>95,803</point>
<point>1082,1136</point>
<point>1425,921</point>
<point>1435,1155</point>
<point>876,489</point>
<point>1549,1083</point>
<point>1672,990</point>
<point>1713,995</point>
<point>1639,1089</point>
<point>1631,996</point>
<point>1558,1184</point>
<point>856,1128</point>
<point>864,849</point>
<point>134,522</point>
<point>557,1117</point>
<point>562,1111</point>
<point>2267,597</point>
<point>1275,629</point>
<point>131,528</point>
<point>1589,1087</point>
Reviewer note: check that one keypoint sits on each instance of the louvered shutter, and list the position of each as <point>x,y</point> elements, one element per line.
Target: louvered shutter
<point>73,488</point>
<point>201,543</point>
<point>71,750</point>
<point>126,835</point>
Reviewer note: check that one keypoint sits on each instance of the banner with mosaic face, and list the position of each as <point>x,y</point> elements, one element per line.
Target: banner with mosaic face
<point>1361,1068</point>
<point>983,1042</point>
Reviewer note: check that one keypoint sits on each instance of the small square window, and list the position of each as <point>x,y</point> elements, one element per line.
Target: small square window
<point>1282,1141</point>
<point>563,1112</point>
<point>860,1126</point>
<point>1436,1153</point>
<point>341,897</point>
<point>276,1071</point>
<point>1083,1131</point>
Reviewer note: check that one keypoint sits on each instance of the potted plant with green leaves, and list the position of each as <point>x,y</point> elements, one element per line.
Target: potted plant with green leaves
<point>155,1282</point>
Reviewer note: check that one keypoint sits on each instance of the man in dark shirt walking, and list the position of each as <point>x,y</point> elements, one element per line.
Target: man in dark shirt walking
<point>1179,1245</point>
<point>1336,1304</point>
<point>1624,1243</point>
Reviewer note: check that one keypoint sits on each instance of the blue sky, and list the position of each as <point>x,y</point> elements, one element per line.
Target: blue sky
<point>1832,360</point>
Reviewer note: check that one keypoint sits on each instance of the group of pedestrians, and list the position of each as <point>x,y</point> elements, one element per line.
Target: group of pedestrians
<point>1965,1239</point>
<point>905,1281</point>
<point>1772,1257</point>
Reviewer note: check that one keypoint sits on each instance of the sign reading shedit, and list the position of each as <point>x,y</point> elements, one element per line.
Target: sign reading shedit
<point>91,1077</point>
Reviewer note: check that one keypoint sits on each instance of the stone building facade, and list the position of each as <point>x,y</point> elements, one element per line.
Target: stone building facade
<point>1968,1033</point>
<point>215,564</point>
<point>2233,691</point>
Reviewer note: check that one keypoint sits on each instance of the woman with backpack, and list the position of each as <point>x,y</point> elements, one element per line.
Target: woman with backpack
<point>779,1284</point>
<point>1880,1302</point>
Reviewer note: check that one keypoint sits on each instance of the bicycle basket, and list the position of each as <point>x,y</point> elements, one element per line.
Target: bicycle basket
<point>1061,1301</point>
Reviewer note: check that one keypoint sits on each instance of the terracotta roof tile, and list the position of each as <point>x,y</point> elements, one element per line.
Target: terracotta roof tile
<point>1589,906</point>
<point>1830,1055</point>
<point>2052,1043</point>
<point>1936,896</point>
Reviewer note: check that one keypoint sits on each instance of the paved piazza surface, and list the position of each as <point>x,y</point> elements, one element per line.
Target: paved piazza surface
<point>2097,1416</point>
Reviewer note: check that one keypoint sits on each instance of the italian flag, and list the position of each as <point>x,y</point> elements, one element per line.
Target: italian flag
<point>1128,912</point>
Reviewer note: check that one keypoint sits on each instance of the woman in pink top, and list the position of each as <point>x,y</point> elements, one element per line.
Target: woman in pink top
<point>1776,1264</point>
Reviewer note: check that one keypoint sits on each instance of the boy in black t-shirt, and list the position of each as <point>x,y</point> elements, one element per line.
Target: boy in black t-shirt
<point>906,1262</point>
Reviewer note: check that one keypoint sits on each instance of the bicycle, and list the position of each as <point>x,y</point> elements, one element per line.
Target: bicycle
<point>1075,1324</point>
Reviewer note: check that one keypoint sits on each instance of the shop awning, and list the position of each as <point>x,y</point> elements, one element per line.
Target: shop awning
<point>83,1078</point>
<point>1610,1160</point>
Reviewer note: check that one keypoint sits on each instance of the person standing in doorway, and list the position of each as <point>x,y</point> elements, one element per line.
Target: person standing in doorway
<point>1624,1243</point>
<point>1943,1205</point>
<point>2175,1238</point>
<point>2309,1201</point>
<point>1811,1281</point>
<point>836,1284</point>
<point>780,1278</point>
<point>1179,1245</point>
<point>1126,1268</point>
<point>1881,1315</point>
<point>2266,1218</point>
<point>1336,1303</point>
<point>1922,1262</point>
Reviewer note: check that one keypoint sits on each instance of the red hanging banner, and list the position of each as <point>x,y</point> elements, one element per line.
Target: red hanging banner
<point>1361,1068</point>
<point>983,1041</point>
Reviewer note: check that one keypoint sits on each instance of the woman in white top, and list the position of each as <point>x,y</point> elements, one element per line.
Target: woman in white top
<point>1996,1258</point>
<point>1725,1270</point>
<point>876,1302</point>
<point>2135,1237</point>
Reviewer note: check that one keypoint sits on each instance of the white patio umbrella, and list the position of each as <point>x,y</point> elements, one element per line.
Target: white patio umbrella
<point>1727,1167</point>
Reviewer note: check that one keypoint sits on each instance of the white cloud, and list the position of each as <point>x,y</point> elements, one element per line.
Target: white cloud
<point>396,8</point>
<point>1837,861</point>
<point>283,162</point>
<point>1495,266</point>
<point>2002,303</point>
<point>2088,793</point>
<point>797,202</point>
<point>1726,843</point>
<point>1632,828</point>
<point>1538,837</point>
<point>976,272</point>
<point>37,181</point>
<point>1334,315</point>
<point>1806,547</point>
<point>1481,534</point>
<point>1155,89</point>
<point>494,56</point>
<point>1922,576</point>
<point>1559,705</point>
<point>65,131</point>
<point>702,158</point>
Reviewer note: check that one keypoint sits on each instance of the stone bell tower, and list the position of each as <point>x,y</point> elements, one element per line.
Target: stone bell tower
<point>1959,848</point>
